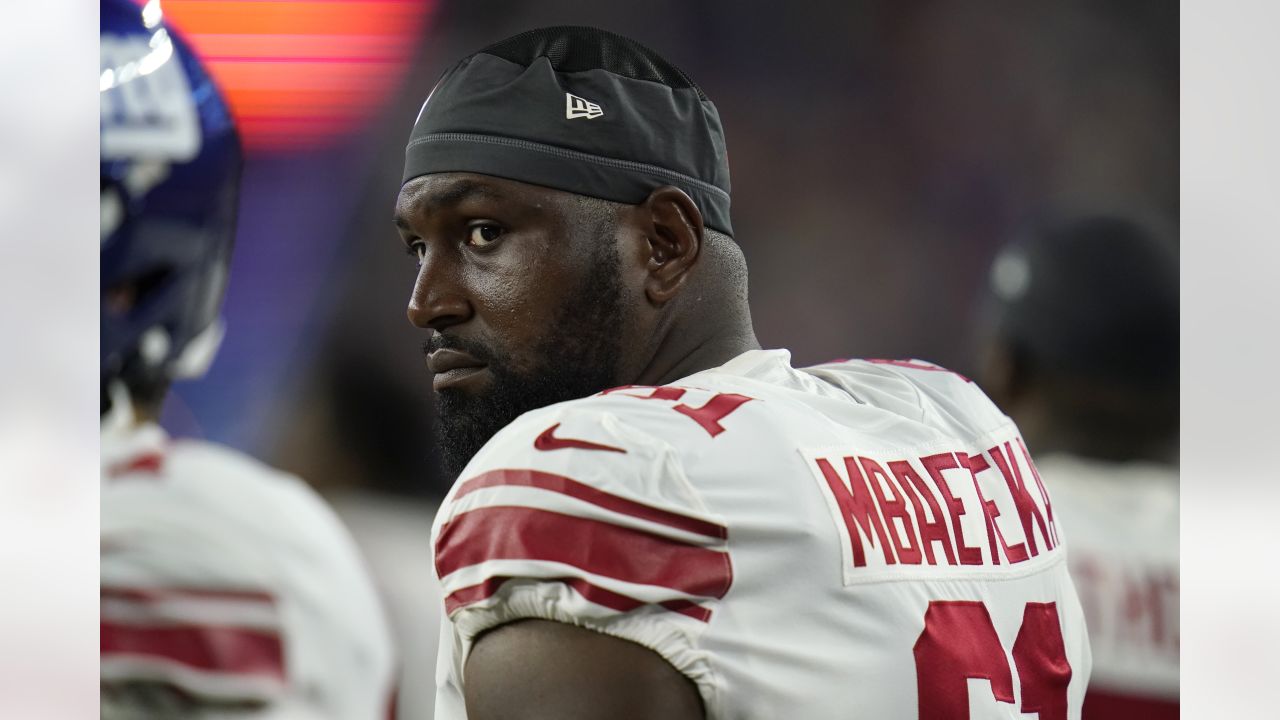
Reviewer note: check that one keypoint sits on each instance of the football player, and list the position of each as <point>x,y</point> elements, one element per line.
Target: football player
<point>655,518</point>
<point>1083,353</point>
<point>228,588</point>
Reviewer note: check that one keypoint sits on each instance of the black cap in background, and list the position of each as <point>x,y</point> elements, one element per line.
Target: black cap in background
<point>1094,298</point>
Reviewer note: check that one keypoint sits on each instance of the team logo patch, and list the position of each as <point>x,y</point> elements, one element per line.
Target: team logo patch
<point>146,104</point>
<point>578,107</point>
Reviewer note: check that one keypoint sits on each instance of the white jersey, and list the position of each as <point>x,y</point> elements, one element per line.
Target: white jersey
<point>233,584</point>
<point>1124,560</point>
<point>857,539</point>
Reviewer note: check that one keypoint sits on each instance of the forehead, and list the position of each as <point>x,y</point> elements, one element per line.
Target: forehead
<point>442,191</point>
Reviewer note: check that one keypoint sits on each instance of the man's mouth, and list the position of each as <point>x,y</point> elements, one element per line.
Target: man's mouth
<point>453,368</point>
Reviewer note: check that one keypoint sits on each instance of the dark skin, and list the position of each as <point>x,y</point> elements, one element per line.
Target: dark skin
<point>543,670</point>
<point>1082,416</point>
<point>147,398</point>
<point>497,261</point>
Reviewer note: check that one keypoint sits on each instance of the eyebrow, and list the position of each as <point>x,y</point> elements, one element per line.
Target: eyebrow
<point>451,195</point>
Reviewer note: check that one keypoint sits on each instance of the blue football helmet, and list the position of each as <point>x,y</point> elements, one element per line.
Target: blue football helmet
<point>171,163</point>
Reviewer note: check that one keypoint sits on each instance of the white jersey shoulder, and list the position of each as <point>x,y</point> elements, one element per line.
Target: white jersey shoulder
<point>234,582</point>
<point>797,542</point>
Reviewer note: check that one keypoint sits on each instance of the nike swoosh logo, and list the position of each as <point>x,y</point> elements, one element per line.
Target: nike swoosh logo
<point>548,441</point>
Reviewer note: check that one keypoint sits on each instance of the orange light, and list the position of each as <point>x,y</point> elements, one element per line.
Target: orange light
<point>298,74</point>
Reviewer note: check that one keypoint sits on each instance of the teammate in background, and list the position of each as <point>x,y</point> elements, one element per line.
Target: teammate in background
<point>1083,354</point>
<point>228,589</point>
<point>719,535</point>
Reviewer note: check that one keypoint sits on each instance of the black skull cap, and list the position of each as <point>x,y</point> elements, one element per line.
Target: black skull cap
<point>576,109</point>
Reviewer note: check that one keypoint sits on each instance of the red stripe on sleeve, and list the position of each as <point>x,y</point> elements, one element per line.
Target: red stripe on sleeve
<point>587,493</point>
<point>160,594</point>
<point>690,608</point>
<point>213,649</point>
<point>475,593</point>
<point>148,463</point>
<point>593,593</point>
<point>520,533</point>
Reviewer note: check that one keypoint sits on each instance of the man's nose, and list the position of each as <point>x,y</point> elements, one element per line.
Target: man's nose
<point>438,300</point>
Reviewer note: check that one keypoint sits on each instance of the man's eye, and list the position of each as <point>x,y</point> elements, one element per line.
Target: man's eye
<point>415,251</point>
<point>482,235</point>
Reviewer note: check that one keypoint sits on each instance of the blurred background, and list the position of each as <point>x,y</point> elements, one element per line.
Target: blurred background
<point>880,151</point>
<point>881,154</point>
<point>928,128</point>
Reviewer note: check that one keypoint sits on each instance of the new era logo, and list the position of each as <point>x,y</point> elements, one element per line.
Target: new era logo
<point>576,107</point>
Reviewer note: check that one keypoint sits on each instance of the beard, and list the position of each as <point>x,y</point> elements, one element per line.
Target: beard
<point>579,356</point>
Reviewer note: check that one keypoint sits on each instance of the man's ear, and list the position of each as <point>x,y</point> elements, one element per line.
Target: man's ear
<point>674,233</point>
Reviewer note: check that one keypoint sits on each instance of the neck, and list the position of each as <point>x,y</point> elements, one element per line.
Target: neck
<point>1110,449</point>
<point>682,352</point>
<point>1112,441</point>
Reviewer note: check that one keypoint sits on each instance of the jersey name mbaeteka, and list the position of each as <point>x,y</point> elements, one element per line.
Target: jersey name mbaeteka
<point>857,539</point>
